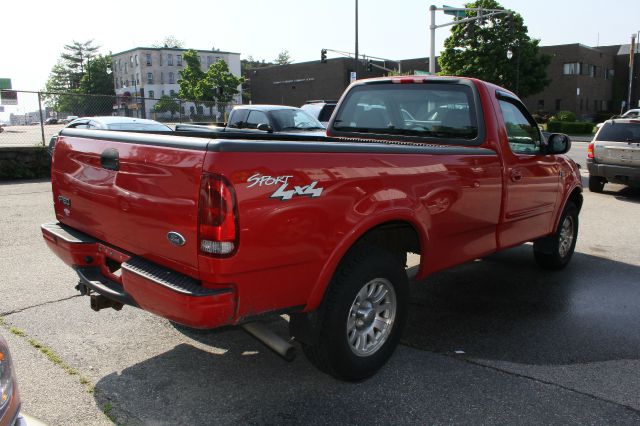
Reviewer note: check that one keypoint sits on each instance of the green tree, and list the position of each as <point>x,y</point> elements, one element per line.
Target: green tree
<point>215,86</point>
<point>479,49</point>
<point>169,41</point>
<point>247,67</point>
<point>283,58</point>
<point>167,104</point>
<point>76,56</point>
<point>79,71</point>
<point>222,83</point>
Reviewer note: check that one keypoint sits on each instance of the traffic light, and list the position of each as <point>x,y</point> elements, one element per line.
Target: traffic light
<point>369,66</point>
<point>323,56</point>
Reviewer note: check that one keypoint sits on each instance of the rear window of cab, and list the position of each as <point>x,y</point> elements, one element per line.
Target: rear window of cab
<point>426,110</point>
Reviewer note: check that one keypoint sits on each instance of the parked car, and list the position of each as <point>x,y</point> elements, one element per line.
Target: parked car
<point>632,113</point>
<point>9,395</point>
<point>614,154</point>
<point>216,230</point>
<point>113,123</point>
<point>51,120</point>
<point>1,127</point>
<point>320,110</point>
<point>68,119</point>
<point>262,119</point>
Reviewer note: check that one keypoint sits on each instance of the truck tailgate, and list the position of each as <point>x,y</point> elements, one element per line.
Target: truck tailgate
<point>131,190</point>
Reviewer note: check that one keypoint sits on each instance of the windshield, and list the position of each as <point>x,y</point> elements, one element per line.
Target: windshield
<point>295,119</point>
<point>619,132</point>
<point>145,127</point>
<point>433,109</point>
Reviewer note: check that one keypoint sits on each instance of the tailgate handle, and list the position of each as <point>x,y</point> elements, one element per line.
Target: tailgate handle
<point>110,159</point>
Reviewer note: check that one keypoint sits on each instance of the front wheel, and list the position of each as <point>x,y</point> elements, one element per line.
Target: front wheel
<point>555,251</point>
<point>362,316</point>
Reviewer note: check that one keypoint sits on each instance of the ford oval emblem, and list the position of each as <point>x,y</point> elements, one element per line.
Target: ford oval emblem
<point>176,239</point>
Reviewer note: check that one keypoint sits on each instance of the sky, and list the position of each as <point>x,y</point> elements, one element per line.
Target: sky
<point>34,32</point>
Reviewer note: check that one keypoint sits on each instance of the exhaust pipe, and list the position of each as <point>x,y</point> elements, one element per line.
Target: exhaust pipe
<point>98,302</point>
<point>271,340</point>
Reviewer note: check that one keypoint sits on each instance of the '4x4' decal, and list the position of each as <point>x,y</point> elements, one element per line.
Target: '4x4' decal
<point>305,191</point>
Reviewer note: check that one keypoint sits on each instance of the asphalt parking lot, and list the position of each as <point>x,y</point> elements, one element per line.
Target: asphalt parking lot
<point>494,341</point>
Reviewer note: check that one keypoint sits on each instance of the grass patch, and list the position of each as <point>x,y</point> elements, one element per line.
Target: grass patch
<point>51,356</point>
<point>107,407</point>
<point>17,331</point>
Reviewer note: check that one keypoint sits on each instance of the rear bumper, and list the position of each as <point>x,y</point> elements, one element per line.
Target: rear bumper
<point>140,283</point>
<point>616,174</point>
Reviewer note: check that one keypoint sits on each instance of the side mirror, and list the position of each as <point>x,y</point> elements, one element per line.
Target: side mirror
<point>265,127</point>
<point>558,143</point>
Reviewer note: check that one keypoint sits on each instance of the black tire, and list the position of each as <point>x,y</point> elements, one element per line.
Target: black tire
<point>333,353</point>
<point>554,252</point>
<point>596,183</point>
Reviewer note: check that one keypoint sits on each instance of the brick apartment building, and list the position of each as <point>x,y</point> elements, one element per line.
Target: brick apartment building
<point>294,84</point>
<point>585,80</point>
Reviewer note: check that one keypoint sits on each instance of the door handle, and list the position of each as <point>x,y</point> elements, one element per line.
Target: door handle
<point>110,159</point>
<point>516,175</point>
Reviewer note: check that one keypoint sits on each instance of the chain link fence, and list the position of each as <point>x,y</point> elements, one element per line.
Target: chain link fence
<point>31,118</point>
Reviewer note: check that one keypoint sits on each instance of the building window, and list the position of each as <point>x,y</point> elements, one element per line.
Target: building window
<point>603,105</point>
<point>137,78</point>
<point>179,60</point>
<point>136,59</point>
<point>120,64</point>
<point>150,77</point>
<point>171,78</point>
<point>541,104</point>
<point>558,104</point>
<point>161,78</point>
<point>571,68</point>
<point>151,94</point>
<point>125,67</point>
<point>592,70</point>
<point>587,104</point>
<point>131,60</point>
<point>209,60</point>
<point>608,75</point>
<point>133,80</point>
<point>148,59</point>
<point>172,93</point>
<point>160,59</point>
<point>581,104</point>
<point>169,59</point>
<point>162,92</point>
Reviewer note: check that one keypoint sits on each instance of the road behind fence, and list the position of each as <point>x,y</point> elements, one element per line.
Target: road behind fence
<point>40,115</point>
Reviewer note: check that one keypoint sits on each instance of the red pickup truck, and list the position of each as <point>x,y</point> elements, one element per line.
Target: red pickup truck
<point>214,230</point>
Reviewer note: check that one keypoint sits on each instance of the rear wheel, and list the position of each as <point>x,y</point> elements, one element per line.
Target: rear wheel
<point>596,183</point>
<point>555,251</point>
<point>363,315</point>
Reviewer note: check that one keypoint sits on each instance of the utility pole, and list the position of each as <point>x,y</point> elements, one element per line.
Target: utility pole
<point>355,67</point>
<point>632,49</point>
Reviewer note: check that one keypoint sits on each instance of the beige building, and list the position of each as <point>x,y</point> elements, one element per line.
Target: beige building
<point>151,73</point>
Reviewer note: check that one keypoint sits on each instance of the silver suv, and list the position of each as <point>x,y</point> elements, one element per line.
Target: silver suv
<point>614,154</point>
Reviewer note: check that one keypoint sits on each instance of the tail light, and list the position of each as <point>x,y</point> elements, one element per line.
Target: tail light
<point>217,217</point>
<point>590,151</point>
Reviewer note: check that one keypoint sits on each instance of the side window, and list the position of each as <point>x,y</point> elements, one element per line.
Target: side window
<point>255,118</point>
<point>523,133</point>
<point>238,118</point>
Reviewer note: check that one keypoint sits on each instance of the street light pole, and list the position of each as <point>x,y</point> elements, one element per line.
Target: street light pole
<point>432,27</point>
<point>632,49</point>
<point>355,68</point>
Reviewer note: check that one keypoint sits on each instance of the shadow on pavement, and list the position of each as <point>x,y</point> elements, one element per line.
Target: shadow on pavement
<point>504,308</point>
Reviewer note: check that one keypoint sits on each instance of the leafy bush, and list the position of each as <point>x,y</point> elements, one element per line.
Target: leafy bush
<point>575,128</point>
<point>565,116</point>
